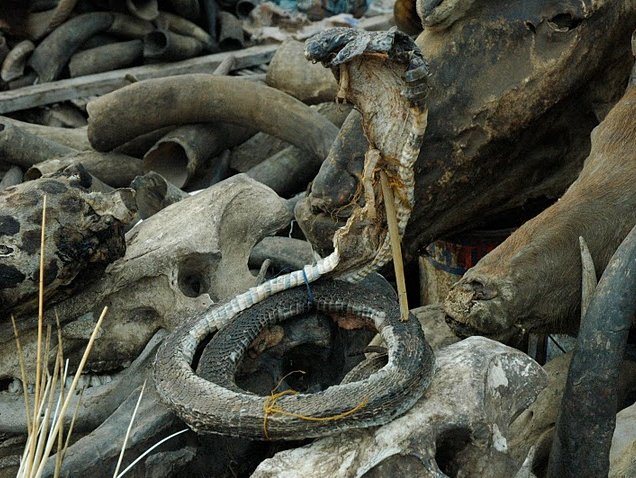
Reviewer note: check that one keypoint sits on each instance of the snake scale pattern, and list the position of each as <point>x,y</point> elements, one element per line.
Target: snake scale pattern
<point>392,61</point>
<point>393,389</point>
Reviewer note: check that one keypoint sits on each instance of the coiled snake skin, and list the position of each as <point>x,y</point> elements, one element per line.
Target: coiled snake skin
<point>384,75</point>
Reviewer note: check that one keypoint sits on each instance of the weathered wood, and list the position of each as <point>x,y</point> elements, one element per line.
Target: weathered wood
<point>99,84</point>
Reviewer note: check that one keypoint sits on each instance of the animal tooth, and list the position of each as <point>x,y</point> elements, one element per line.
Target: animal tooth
<point>106,379</point>
<point>15,386</point>
<point>95,381</point>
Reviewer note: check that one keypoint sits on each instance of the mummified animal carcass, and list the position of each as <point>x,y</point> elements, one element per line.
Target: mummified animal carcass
<point>84,233</point>
<point>516,90</point>
<point>533,279</point>
<point>173,268</point>
<point>459,428</point>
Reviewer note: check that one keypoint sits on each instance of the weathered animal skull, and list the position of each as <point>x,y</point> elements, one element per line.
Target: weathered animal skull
<point>84,232</point>
<point>459,428</point>
<point>177,263</point>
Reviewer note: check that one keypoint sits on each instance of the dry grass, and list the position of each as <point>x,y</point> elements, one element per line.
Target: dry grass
<point>46,416</point>
<point>45,423</point>
<point>50,407</point>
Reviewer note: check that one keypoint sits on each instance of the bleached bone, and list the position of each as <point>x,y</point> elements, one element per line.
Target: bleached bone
<point>459,427</point>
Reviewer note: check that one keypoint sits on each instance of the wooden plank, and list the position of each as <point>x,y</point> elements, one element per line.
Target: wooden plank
<point>101,83</point>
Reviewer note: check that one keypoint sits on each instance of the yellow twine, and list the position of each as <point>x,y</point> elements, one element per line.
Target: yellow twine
<point>269,408</point>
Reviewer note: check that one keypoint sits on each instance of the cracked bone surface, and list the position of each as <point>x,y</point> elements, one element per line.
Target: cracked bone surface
<point>176,264</point>
<point>459,427</point>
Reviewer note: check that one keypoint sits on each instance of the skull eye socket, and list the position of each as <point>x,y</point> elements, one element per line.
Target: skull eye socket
<point>194,276</point>
<point>449,446</point>
<point>564,22</point>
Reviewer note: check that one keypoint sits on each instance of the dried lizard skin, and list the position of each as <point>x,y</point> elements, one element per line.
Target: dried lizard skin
<point>384,75</point>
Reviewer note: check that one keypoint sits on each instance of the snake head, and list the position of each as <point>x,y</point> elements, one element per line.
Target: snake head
<point>324,46</point>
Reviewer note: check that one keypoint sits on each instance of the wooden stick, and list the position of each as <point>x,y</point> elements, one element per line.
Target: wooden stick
<point>394,235</point>
<point>225,67</point>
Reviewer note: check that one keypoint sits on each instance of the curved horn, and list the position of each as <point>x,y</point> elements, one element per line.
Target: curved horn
<point>187,8</point>
<point>50,57</point>
<point>198,98</point>
<point>167,45</point>
<point>41,23</point>
<point>588,283</point>
<point>587,416</point>
<point>14,63</point>
<point>184,153</point>
<point>105,58</point>
<point>144,9</point>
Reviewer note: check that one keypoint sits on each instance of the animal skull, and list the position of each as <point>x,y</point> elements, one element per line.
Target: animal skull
<point>459,428</point>
<point>177,263</point>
